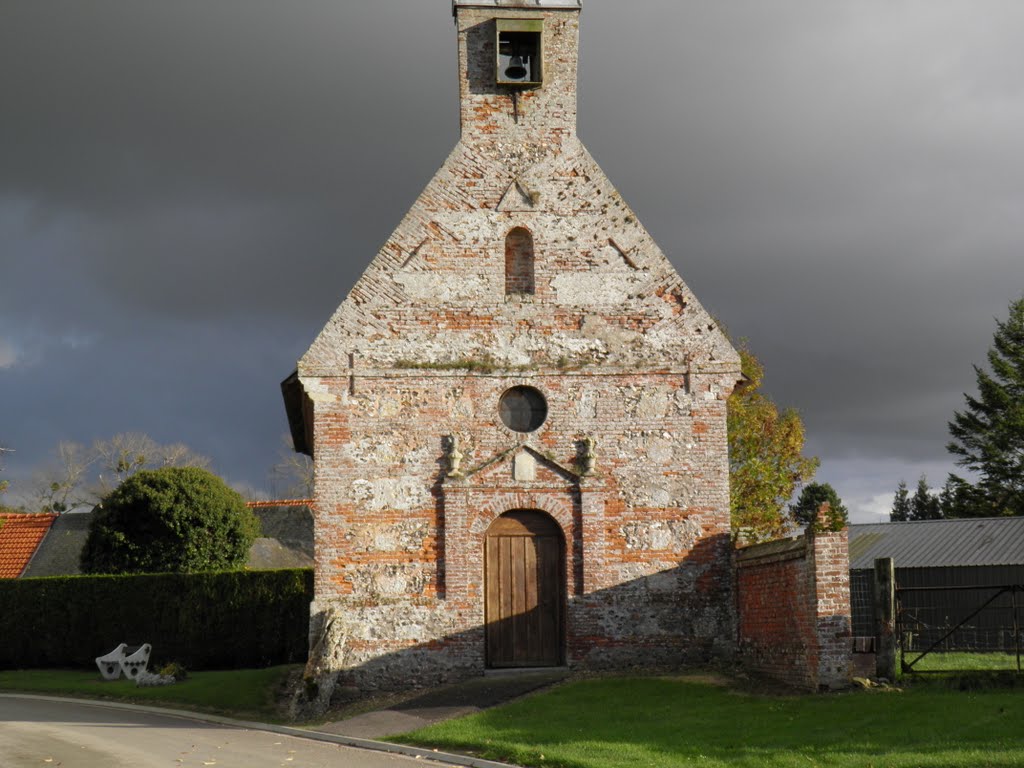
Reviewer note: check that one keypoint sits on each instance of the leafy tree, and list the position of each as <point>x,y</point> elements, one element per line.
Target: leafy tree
<point>813,495</point>
<point>924,505</point>
<point>988,436</point>
<point>900,504</point>
<point>766,460</point>
<point>174,519</point>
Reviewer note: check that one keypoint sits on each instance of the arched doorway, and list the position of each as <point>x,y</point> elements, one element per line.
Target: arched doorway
<point>524,574</point>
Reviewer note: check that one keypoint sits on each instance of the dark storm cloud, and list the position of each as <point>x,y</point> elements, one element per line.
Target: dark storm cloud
<point>221,142</point>
<point>843,184</point>
<point>188,189</point>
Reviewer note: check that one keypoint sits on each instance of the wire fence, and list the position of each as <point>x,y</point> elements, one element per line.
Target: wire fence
<point>862,602</point>
<point>960,628</point>
<point>942,625</point>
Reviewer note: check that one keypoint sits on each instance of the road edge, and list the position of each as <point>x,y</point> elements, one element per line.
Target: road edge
<point>445,758</point>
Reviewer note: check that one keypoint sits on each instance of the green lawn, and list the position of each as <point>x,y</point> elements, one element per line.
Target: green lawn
<point>661,722</point>
<point>963,662</point>
<point>247,692</point>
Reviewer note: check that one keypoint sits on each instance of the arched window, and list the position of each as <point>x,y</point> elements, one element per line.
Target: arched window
<point>519,262</point>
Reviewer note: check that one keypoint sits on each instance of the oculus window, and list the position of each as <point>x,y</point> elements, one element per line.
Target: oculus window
<point>523,409</point>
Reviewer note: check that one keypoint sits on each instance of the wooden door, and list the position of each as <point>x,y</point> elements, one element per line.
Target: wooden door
<point>524,579</point>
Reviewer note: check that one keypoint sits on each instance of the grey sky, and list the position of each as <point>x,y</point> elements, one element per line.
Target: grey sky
<point>188,190</point>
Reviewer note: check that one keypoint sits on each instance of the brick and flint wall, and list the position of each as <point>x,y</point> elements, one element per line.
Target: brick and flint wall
<point>793,610</point>
<point>432,335</point>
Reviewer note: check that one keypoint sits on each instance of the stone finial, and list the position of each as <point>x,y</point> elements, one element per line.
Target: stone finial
<point>587,457</point>
<point>454,456</point>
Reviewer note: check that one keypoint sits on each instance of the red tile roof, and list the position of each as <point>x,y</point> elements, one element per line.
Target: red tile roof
<point>20,536</point>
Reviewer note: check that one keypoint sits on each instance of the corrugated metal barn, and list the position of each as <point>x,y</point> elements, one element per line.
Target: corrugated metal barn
<point>968,552</point>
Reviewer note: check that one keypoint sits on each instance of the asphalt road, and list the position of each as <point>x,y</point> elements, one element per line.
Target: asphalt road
<point>37,733</point>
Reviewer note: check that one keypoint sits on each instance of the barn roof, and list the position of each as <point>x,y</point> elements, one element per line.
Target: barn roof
<point>286,537</point>
<point>939,543</point>
<point>19,538</point>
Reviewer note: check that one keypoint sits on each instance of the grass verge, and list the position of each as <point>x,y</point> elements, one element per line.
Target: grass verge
<point>244,692</point>
<point>963,662</point>
<point>664,722</point>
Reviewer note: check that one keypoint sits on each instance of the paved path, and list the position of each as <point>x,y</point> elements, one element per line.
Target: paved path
<point>458,700</point>
<point>49,733</point>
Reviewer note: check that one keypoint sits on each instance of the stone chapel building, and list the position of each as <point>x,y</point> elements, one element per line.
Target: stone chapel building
<point>517,415</point>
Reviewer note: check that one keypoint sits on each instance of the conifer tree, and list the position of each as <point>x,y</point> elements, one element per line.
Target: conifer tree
<point>813,495</point>
<point>957,499</point>
<point>988,436</point>
<point>924,505</point>
<point>900,504</point>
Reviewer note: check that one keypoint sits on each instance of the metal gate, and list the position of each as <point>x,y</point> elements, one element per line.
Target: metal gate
<point>960,628</point>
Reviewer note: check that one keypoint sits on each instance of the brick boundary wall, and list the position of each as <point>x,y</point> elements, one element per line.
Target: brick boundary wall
<point>793,610</point>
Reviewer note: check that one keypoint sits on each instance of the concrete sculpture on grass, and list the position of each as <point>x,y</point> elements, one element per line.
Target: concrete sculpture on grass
<point>132,662</point>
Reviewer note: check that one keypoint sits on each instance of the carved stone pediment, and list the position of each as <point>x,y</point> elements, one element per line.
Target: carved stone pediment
<point>519,463</point>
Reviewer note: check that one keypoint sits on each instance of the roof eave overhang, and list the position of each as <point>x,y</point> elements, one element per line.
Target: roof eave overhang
<point>298,406</point>
<point>533,5</point>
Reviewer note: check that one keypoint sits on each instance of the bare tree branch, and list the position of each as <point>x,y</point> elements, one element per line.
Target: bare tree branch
<point>4,483</point>
<point>83,476</point>
<point>61,486</point>
<point>125,454</point>
<point>292,476</point>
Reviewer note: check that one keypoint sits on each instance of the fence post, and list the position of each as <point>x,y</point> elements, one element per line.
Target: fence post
<point>885,618</point>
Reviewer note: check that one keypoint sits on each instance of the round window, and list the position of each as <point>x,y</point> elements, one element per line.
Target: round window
<point>523,409</point>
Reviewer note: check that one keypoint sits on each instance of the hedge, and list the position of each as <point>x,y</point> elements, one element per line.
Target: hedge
<point>227,620</point>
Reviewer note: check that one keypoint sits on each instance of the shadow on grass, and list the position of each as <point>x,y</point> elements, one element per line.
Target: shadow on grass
<point>659,722</point>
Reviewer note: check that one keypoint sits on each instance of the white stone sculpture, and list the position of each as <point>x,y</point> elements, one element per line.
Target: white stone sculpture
<point>136,662</point>
<point>110,665</point>
<point>132,662</point>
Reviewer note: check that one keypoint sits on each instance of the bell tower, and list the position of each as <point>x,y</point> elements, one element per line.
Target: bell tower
<point>517,72</point>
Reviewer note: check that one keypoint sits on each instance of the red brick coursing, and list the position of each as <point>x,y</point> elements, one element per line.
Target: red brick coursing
<point>399,546</point>
<point>793,610</point>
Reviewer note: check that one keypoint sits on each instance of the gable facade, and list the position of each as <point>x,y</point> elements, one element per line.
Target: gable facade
<point>517,415</point>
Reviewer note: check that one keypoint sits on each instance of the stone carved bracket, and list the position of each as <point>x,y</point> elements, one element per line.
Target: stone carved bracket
<point>453,456</point>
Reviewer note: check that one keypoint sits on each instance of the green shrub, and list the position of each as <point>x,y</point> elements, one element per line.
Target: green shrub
<point>229,620</point>
<point>175,670</point>
<point>170,520</point>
